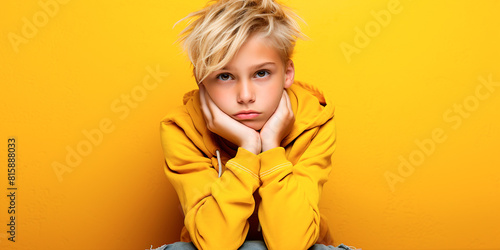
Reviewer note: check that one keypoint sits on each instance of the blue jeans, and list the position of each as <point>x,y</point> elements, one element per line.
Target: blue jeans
<point>247,245</point>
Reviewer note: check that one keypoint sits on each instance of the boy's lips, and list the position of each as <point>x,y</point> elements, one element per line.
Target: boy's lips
<point>247,114</point>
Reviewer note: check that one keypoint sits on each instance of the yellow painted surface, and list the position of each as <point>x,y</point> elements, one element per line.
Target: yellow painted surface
<point>416,84</point>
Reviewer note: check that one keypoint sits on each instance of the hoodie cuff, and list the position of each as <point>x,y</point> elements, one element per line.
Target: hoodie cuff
<point>274,164</point>
<point>245,162</point>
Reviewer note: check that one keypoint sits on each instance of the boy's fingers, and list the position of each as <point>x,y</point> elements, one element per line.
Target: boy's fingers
<point>210,104</point>
<point>288,106</point>
<point>214,110</point>
<point>287,100</point>
<point>281,104</point>
<point>202,97</point>
<point>203,100</point>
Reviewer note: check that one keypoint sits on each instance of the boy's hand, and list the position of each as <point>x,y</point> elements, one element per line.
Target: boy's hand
<point>227,127</point>
<point>278,125</point>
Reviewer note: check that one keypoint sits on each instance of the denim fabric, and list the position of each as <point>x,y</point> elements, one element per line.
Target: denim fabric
<point>177,246</point>
<point>330,247</point>
<point>247,245</point>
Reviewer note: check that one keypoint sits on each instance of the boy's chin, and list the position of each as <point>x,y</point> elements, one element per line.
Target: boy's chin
<point>257,126</point>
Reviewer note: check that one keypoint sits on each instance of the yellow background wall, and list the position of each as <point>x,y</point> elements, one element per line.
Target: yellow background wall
<point>416,85</point>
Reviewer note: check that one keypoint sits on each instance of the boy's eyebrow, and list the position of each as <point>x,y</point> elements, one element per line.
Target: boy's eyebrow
<point>253,67</point>
<point>263,64</point>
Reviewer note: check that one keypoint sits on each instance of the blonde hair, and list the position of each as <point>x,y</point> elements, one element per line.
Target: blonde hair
<point>215,33</point>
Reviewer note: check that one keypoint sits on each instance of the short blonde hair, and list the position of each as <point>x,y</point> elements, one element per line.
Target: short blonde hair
<point>215,33</point>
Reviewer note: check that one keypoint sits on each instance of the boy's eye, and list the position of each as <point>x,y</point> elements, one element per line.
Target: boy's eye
<point>262,73</point>
<point>224,77</point>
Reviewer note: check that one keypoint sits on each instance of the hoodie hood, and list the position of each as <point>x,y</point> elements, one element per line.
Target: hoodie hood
<point>309,104</point>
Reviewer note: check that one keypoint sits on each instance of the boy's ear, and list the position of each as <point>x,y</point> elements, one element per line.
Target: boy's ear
<point>289,73</point>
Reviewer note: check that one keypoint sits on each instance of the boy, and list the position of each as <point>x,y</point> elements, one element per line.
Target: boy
<point>249,152</point>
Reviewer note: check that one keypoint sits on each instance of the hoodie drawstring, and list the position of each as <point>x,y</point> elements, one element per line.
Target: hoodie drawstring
<point>218,162</point>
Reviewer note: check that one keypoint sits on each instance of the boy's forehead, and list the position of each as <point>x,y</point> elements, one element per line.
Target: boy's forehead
<point>254,52</point>
<point>259,42</point>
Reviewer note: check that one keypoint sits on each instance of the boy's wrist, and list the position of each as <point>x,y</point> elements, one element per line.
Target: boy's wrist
<point>252,145</point>
<point>268,146</point>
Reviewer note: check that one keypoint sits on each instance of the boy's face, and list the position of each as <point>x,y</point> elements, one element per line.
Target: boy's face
<point>250,86</point>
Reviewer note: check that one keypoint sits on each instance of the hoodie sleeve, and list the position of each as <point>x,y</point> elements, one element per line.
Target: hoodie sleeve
<point>289,213</point>
<point>216,209</point>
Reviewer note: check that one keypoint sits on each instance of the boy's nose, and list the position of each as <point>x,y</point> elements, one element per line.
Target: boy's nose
<point>246,93</point>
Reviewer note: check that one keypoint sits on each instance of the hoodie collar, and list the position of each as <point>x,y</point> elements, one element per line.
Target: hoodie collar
<point>311,109</point>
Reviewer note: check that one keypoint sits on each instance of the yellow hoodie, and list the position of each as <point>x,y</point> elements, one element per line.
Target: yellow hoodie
<point>219,200</point>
